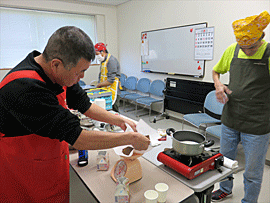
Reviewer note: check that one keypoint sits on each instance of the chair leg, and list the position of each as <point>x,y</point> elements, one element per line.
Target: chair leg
<point>150,113</point>
<point>124,104</point>
<point>150,110</point>
<point>141,110</point>
<point>130,104</point>
<point>202,128</point>
<point>162,115</point>
<point>182,124</point>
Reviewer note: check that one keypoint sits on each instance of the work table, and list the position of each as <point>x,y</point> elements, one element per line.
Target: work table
<point>180,188</point>
<point>103,187</point>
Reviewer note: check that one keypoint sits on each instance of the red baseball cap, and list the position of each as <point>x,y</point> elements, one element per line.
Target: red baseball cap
<point>100,46</point>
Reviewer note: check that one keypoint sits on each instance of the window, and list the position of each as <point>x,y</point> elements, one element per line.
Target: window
<point>22,31</point>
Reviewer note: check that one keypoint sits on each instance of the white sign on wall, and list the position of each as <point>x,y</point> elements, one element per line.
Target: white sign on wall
<point>204,43</point>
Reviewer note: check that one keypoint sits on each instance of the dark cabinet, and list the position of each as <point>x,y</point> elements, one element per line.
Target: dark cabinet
<point>186,96</point>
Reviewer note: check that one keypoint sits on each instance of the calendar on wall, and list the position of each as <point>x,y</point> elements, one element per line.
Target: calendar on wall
<point>204,43</point>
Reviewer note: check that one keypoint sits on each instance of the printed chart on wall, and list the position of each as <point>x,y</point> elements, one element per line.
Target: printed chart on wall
<point>204,43</point>
<point>171,51</point>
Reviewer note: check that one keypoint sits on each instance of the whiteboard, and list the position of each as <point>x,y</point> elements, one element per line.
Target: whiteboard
<point>171,51</point>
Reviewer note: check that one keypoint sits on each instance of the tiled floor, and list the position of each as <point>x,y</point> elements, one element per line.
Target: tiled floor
<point>80,194</point>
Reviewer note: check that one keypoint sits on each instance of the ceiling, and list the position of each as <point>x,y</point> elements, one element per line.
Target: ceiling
<point>106,2</point>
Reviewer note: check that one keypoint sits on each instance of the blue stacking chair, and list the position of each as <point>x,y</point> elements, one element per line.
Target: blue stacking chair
<point>156,95</point>
<point>122,81</point>
<point>142,90</point>
<point>214,130</point>
<point>211,115</point>
<point>130,85</point>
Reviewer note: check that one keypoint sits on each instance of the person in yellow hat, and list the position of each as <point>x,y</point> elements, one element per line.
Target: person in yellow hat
<point>109,73</point>
<point>246,113</point>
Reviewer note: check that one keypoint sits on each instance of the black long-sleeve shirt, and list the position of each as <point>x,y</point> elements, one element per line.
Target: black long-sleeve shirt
<point>30,106</point>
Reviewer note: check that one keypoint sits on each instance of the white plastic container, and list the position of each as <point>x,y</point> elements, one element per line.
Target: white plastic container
<point>121,194</point>
<point>103,162</point>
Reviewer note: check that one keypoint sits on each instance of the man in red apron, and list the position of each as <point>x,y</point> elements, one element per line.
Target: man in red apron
<point>36,126</point>
<point>246,113</point>
<point>109,73</point>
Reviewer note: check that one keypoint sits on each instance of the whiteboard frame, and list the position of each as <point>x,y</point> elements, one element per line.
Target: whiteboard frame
<point>168,73</point>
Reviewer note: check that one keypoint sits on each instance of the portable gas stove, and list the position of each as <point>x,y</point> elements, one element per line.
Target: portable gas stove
<point>190,166</point>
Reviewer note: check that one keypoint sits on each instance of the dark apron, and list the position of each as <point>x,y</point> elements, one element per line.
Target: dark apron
<point>248,108</point>
<point>33,168</point>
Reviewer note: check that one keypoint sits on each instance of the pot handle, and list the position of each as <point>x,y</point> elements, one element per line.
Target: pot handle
<point>209,143</point>
<point>170,131</point>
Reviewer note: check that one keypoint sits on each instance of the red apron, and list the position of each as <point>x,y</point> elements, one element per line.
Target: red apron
<point>33,168</point>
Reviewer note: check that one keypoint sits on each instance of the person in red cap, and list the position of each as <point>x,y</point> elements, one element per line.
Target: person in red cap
<point>109,73</point>
<point>36,125</point>
<point>246,113</point>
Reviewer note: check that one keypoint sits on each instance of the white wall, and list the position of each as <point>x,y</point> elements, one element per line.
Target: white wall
<point>136,16</point>
<point>124,24</point>
<point>110,26</point>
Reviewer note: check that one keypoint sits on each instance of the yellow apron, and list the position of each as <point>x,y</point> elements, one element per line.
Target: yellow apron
<point>103,77</point>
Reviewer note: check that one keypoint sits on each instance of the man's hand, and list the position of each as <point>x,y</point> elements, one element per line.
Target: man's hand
<point>139,141</point>
<point>98,85</point>
<point>130,123</point>
<point>221,93</point>
<point>221,90</point>
<point>103,84</point>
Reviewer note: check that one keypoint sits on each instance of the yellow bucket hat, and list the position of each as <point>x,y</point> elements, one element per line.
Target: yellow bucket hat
<point>249,30</point>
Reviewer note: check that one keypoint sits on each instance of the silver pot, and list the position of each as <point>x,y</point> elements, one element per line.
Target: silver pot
<point>188,143</point>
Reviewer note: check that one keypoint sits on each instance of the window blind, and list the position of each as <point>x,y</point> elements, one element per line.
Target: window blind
<point>22,31</point>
